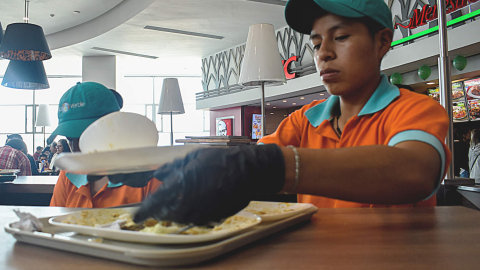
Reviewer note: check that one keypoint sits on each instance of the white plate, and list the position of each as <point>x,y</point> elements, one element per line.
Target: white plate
<point>122,161</point>
<point>271,211</point>
<point>469,90</point>
<point>152,238</point>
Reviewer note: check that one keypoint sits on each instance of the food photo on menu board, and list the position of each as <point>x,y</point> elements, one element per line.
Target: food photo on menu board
<point>457,91</point>
<point>434,93</point>
<point>257,127</point>
<point>472,90</point>
<point>460,111</point>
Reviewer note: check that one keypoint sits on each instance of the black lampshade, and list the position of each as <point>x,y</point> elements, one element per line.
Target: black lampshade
<point>24,42</point>
<point>25,75</point>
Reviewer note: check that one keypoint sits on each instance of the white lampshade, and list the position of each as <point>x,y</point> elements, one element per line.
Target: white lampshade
<point>43,117</point>
<point>261,61</point>
<point>171,99</point>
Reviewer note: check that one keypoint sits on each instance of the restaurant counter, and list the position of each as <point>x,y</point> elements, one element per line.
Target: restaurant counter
<point>357,238</point>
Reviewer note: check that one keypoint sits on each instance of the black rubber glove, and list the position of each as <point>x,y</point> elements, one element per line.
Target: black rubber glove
<point>210,184</point>
<point>139,179</point>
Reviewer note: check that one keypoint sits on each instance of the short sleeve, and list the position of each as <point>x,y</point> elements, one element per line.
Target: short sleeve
<point>59,197</point>
<point>288,132</point>
<point>421,119</point>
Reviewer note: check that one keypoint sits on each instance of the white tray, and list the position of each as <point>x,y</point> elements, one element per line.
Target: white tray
<point>153,255</point>
<point>150,238</point>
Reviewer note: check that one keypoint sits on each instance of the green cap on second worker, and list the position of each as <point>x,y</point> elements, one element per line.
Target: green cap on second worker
<point>82,105</point>
<point>300,14</point>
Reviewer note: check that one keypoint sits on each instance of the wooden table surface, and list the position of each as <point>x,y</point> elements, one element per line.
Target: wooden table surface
<point>445,237</point>
<point>40,184</point>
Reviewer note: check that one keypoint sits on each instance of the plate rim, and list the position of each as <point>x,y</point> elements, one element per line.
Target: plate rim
<point>76,157</point>
<point>152,238</point>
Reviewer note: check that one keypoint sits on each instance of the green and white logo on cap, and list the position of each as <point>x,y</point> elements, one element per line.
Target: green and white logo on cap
<point>82,105</point>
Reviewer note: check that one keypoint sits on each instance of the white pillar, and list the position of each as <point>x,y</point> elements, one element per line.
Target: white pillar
<point>99,69</point>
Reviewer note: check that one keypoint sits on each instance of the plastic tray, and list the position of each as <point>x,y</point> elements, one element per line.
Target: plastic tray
<point>147,254</point>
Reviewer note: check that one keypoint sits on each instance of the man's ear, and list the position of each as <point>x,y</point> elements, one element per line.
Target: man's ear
<point>384,40</point>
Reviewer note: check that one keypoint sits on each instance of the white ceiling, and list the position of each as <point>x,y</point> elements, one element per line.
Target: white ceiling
<point>176,53</point>
<point>12,11</point>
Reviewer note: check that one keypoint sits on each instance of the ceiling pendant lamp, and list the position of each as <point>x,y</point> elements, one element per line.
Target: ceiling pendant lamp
<point>25,41</point>
<point>29,75</point>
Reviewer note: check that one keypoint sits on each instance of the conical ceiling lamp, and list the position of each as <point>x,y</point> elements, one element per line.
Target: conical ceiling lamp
<point>25,41</point>
<point>25,75</point>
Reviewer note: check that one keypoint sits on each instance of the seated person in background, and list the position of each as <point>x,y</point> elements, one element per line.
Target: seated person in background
<point>20,145</point>
<point>42,159</point>
<point>46,152</point>
<point>37,153</point>
<point>11,158</point>
<point>85,103</point>
<point>62,146</point>
<point>53,149</point>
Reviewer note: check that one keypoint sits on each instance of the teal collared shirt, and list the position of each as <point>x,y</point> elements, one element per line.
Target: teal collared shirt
<point>79,180</point>
<point>380,99</point>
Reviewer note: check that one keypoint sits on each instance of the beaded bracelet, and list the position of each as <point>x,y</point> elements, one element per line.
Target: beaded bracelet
<point>297,168</point>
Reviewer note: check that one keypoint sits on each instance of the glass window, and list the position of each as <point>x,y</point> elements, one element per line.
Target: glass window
<point>15,122</point>
<point>58,87</point>
<point>10,96</point>
<point>136,90</point>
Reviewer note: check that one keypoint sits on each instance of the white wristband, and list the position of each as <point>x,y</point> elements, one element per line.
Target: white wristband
<point>297,169</point>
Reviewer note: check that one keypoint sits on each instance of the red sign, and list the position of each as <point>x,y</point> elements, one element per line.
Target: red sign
<point>428,13</point>
<point>286,65</point>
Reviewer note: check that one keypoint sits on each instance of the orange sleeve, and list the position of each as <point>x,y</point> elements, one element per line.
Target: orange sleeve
<point>288,132</point>
<point>151,187</point>
<point>59,197</point>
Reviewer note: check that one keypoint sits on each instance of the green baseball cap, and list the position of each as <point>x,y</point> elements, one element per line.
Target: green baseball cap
<point>300,14</point>
<point>82,105</point>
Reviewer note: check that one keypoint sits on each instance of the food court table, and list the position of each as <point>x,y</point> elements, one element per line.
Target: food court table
<point>28,190</point>
<point>402,238</point>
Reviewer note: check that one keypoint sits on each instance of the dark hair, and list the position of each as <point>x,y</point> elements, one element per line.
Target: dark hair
<point>13,136</point>
<point>39,147</point>
<point>373,26</point>
<point>43,155</point>
<point>17,144</point>
<point>66,147</point>
<point>54,144</point>
<point>475,137</point>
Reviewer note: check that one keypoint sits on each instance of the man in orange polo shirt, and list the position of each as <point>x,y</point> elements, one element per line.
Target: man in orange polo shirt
<point>369,144</point>
<point>79,107</point>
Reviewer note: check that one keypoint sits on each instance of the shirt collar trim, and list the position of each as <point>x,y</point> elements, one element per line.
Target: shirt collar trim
<point>381,98</point>
<point>79,180</point>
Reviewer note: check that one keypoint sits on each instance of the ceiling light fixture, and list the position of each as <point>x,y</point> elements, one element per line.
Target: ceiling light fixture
<point>76,12</point>
<point>271,113</point>
<point>29,75</point>
<point>430,83</point>
<point>176,31</point>
<point>271,2</point>
<point>25,41</point>
<point>293,103</point>
<point>284,101</point>
<point>274,107</point>
<point>302,97</point>
<point>268,104</point>
<point>126,53</point>
<point>322,94</point>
